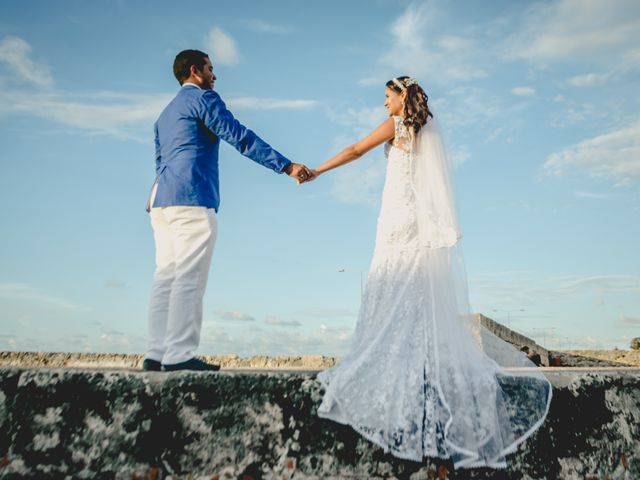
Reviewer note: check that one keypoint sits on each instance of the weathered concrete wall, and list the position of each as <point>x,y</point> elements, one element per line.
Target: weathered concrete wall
<point>514,337</point>
<point>247,424</point>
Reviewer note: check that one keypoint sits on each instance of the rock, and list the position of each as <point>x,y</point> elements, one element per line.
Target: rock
<point>635,343</point>
<point>57,423</point>
<point>72,422</point>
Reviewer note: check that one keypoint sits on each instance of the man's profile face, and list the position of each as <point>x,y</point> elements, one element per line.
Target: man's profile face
<point>205,76</point>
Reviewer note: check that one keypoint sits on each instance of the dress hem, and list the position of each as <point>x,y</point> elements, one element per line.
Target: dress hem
<point>465,463</point>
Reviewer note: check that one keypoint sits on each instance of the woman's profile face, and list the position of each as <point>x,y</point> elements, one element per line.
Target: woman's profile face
<point>393,102</point>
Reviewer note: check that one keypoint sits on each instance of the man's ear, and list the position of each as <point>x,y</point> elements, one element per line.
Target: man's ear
<point>193,71</point>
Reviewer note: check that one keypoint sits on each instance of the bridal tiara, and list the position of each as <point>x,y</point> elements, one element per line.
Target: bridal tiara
<point>407,82</point>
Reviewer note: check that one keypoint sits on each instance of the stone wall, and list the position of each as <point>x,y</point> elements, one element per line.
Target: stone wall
<point>134,360</point>
<point>100,423</point>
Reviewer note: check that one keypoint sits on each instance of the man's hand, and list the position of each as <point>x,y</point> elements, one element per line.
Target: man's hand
<point>299,172</point>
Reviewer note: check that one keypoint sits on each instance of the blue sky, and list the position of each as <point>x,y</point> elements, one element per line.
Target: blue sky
<point>539,105</point>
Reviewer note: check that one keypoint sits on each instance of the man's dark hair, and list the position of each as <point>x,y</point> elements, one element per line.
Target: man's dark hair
<point>184,60</point>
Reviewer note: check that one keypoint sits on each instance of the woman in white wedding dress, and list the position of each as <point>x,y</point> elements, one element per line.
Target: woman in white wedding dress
<point>422,377</point>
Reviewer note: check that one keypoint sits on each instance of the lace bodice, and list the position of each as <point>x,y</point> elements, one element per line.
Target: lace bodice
<point>397,222</point>
<point>402,137</point>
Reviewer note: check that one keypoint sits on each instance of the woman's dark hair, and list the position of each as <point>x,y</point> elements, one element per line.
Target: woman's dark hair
<point>416,110</point>
<point>184,60</point>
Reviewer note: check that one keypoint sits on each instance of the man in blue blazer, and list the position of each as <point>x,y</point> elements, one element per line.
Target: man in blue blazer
<point>183,204</point>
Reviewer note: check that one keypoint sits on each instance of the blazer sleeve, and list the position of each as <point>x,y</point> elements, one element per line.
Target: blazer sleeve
<point>221,121</point>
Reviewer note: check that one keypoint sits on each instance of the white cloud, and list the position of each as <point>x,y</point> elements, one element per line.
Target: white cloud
<point>328,312</point>
<point>575,113</point>
<point>572,284</point>
<point>515,288</point>
<point>629,321</point>
<point>459,154</point>
<point>453,43</point>
<point>270,103</point>
<point>465,107</point>
<point>361,121</point>
<point>372,80</point>
<point>119,115</point>
<point>15,55</point>
<point>592,195</point>
<point>614,155</point>
<point>8,342</point>
<point>112,331</point>
<point>589,80</point>
<point>586,342</point>
<point>21,291</point>
<point>576,30</point>
<point>262,26</point>
<point>234,316</point>
<point>360,181</point>
<point>273,320</point>
<point>469,105</point>
<point>524,91</point>
<point>418,50</point>
<point>256,341</point>
<point>213,336</point>
<point>321,341</point>
<point>115,341</point>
<point>221,47</point>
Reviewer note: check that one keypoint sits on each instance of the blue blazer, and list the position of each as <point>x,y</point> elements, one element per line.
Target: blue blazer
<point>187,137</point>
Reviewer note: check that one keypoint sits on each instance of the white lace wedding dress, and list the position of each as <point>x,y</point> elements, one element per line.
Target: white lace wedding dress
<point>422,378</point>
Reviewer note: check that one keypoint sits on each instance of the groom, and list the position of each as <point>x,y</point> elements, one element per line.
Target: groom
<point>183,205</point>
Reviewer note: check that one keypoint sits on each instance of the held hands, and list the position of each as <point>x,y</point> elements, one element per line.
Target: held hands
<point>300,173</point>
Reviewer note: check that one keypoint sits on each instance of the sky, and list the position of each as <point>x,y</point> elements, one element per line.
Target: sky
<point>540,111</point>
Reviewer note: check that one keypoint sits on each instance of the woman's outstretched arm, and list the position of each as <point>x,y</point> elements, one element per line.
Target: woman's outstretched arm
<point>383,133</point>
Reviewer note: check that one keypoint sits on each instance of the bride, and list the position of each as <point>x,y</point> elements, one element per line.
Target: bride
<point>422,377</point>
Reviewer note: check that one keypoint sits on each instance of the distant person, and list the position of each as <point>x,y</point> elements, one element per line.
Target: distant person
<point>419,379</point>
<point>535,359</point>
<point>183,204</point>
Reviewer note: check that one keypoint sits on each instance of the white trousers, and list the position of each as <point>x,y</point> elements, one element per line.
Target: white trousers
<point>184,239</point>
